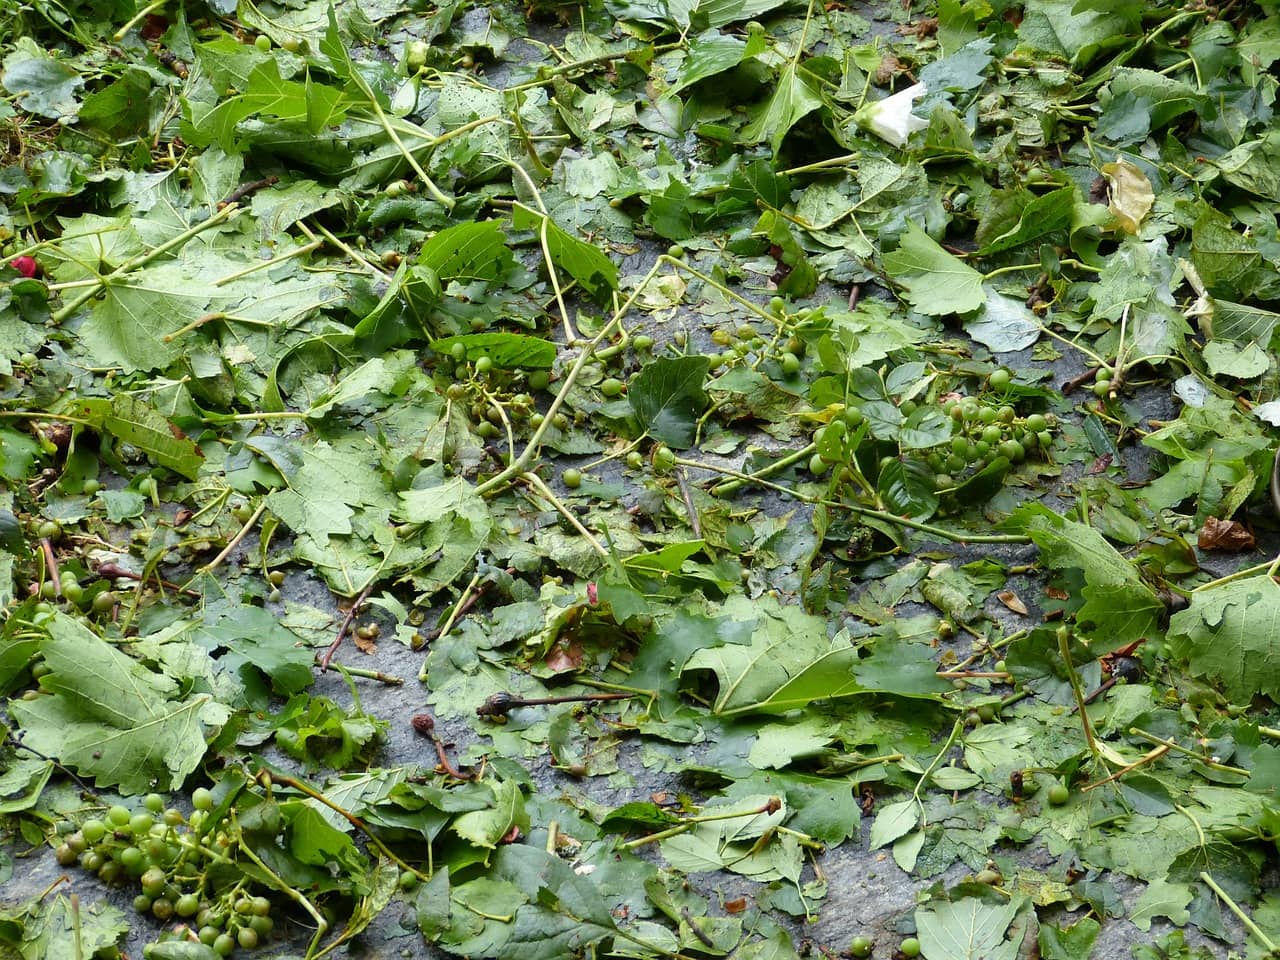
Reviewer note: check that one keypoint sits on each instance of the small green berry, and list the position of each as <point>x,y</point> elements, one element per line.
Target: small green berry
<point>571,478</point>
<point>262,42</point>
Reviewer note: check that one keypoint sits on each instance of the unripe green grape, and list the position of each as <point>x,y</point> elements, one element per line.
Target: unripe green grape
<point>260,906</point>
<point>262,926</point>
<point>642,343</point>
<point>988,415</point>
<point>1059,794</point>
<point>539,380</point>
<point>992,434</point>
<point>635,460</point>
<point>571,478</point>
<point>208,935</point>
<point>408,880</point>
<point>142,903</point>
<point>853,416</point>
<point>1006,414</point>
<point>132,859</point>
<point>560,421</point>
<point>247,937</point>
<point>94,829</point>
<point>999,378</point>
<point>1036,423</point>
<point>484,364</point>
<point>777,306</point>
<point>92,860</point>
<point>1101,388</point>
<point>104,601</point>
<point>1001,666</point>
<point>860,947</point>
<point>224,945</point>
<point>663,459</point>
<point>981,450</point>
<point>960,446</point>
<point>162,909</point>
<point>955,463</point>
<point>790,364</point>
<point>64,855</point>
<point>263,43</point>
<point>943,481</point>
<point>76,842</point>
<point>111,871</point>
<point>1045,438</point>
<point>153,882</point>
<point>818,466</point>
<point>187,905</point>
<point>140,824</point>
<point>612,387</point>
<point>1012,450</point>
<point>675,252</point>
<point>909,948</point>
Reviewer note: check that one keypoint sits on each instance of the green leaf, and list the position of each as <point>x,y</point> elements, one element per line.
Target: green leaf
<point>1231,634</point>
<point>795,95</point>
<point>468,251</point>
<point>1161,899</point>
<point>936,282</point>
<point>133,421</point>
<point>110,718</point>
<point>485,828</point>
<point>1040,216</point>
<point>510,351</point>
<point>42,85</point>
<point>1069,943</point>
<point>968,929</point>
<point>253,639</point>
<point>585,263</point>
<point>667,397</point>
<point>906,487</point>
<point>894,820</point>
<point>709,53</point>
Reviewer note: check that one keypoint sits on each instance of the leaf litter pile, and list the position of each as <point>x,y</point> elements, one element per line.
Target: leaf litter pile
<point>906,503</point>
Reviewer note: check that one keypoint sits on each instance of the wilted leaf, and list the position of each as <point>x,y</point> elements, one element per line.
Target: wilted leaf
<point>110,718</point>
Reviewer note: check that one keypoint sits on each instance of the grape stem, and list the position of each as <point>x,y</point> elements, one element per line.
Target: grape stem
<point>1270,945</point>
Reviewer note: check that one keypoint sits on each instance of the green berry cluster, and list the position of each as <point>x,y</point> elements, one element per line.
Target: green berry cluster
<point>983,431</point>
<point>166,855</point>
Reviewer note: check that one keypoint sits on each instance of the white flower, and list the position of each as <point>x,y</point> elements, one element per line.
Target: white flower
<point>891,119</point>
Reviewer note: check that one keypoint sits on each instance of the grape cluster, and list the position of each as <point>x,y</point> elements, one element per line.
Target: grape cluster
<point>166,855</point>
<point>982,432</point>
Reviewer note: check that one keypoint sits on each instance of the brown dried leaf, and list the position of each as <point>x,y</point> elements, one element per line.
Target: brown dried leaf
<point>1226,535</point>
<point>1012,601</point>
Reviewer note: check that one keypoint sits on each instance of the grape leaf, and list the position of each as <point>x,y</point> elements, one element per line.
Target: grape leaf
<point>794,97</point>
<point>968,929</point>
<point>110,718</point>
<point>585,263</point>
<point>1231,634</point>
<point>936,282</point>
<point>666,397</point>
<point>134,421</point>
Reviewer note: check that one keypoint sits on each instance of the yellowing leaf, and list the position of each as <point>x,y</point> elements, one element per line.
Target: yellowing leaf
<point>1131,194</point>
